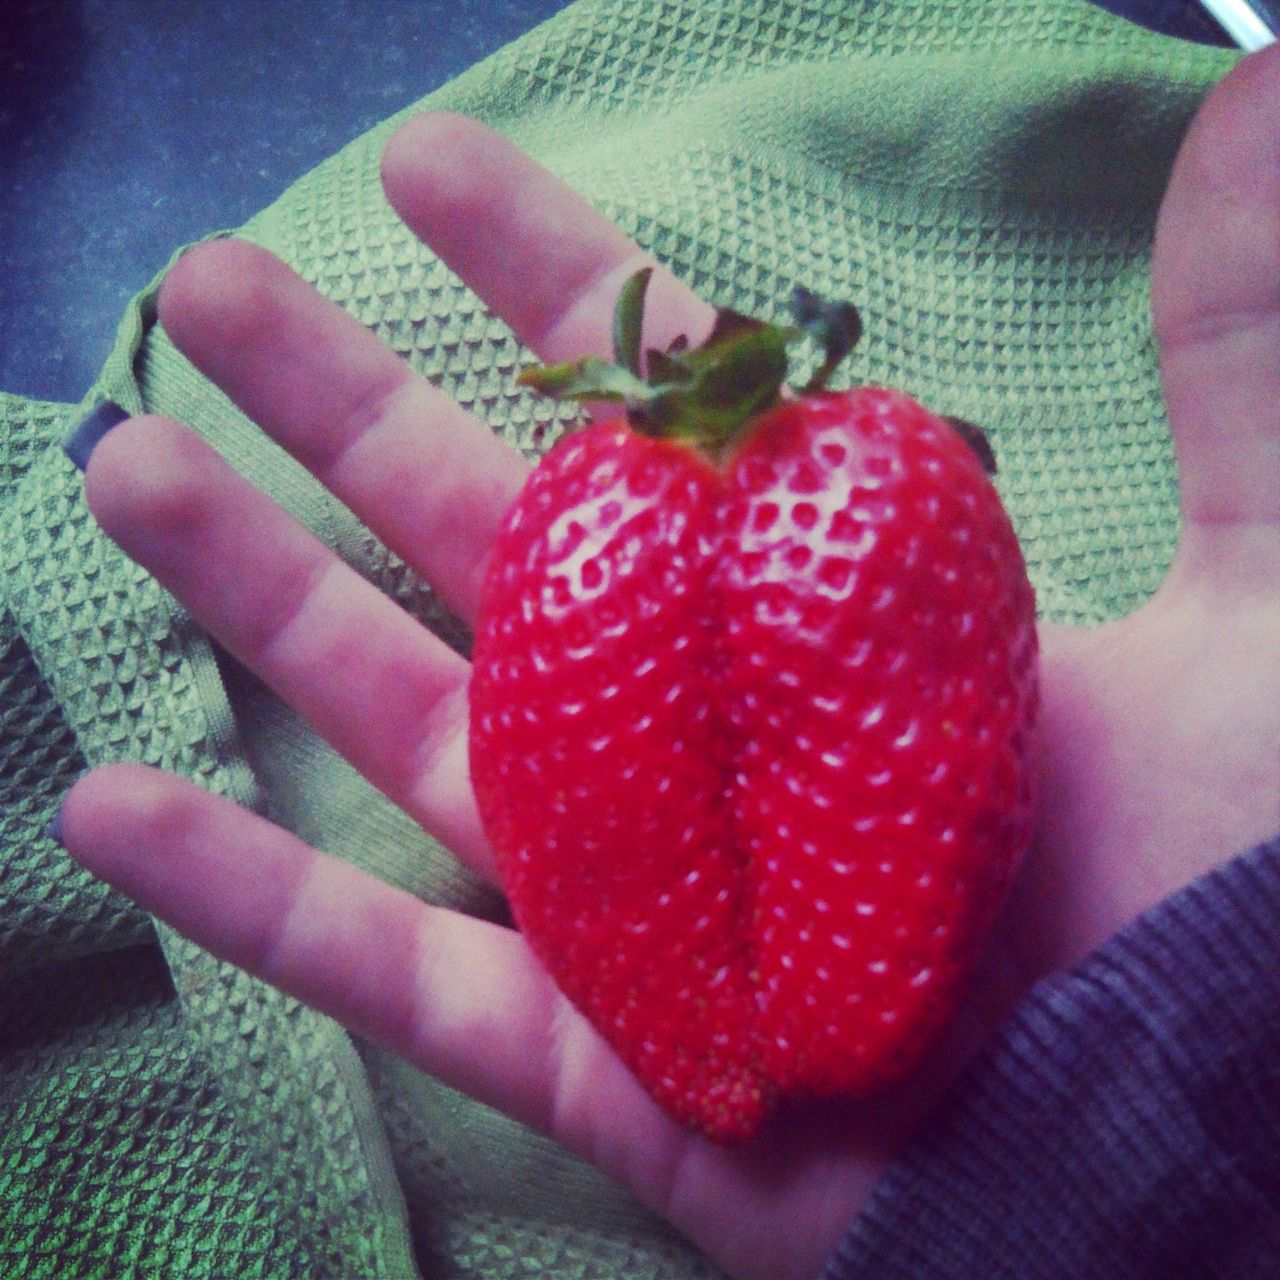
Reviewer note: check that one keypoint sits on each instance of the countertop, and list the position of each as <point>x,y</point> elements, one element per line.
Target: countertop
<point>131,127</point>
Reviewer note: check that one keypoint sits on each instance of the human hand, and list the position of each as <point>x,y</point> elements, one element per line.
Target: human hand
<point>1159,733</point>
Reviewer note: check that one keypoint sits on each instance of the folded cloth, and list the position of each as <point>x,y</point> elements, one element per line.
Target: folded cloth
<point>981,175</point>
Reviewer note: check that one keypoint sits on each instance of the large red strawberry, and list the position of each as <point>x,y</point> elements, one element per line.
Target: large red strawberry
<point>752,691</point>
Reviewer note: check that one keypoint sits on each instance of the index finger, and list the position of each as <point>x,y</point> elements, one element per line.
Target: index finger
<point>534,250</point>
<point>430,480</point>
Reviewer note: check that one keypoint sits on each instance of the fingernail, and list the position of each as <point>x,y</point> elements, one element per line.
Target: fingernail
<point>82,441</point>
<point>54,829</point>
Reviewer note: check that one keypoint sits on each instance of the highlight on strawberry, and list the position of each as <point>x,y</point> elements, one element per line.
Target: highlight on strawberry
<point>753,687</point>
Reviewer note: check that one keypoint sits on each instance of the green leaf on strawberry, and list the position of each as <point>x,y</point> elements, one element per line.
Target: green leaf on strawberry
<point>702,394</point>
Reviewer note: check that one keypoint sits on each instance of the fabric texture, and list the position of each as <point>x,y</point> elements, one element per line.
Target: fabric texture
<point>1122,1124</point>
<point>981,175</point>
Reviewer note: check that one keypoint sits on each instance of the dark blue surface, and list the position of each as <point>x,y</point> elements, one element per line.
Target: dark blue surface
<point>130,127</point>
<point>1185,18</point>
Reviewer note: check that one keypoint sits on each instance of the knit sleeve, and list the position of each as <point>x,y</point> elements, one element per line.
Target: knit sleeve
<point>1124,1124</point>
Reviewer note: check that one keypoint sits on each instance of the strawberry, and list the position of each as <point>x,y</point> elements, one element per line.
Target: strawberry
<point>753,684</point>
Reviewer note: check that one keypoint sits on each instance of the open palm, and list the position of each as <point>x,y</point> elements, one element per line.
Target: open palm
<point>1159,736</point>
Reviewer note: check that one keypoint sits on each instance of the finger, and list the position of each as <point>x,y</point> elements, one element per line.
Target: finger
<point>537,253</point>
<point>462,999</point>
<point>1216,301</point>
<point>423,474</point>
<point>383,690</point>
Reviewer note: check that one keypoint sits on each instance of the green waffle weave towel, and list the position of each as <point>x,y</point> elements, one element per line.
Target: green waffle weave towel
<point>980,175</point>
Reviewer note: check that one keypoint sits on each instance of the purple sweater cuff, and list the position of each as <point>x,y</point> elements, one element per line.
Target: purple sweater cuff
<point>1122,1126</point>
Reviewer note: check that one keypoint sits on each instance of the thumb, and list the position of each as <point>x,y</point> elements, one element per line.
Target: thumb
<point>1216,305</point>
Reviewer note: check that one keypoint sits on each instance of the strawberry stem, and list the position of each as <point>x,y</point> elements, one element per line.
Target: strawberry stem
<point>706,395</point>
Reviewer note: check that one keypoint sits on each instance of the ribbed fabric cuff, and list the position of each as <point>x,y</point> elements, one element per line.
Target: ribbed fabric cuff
<point>1125,1123</point>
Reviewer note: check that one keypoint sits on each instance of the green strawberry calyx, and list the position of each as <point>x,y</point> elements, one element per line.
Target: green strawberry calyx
<point>705,395</point>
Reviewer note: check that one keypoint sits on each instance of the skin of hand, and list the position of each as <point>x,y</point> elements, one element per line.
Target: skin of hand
<point>1160,739</point>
